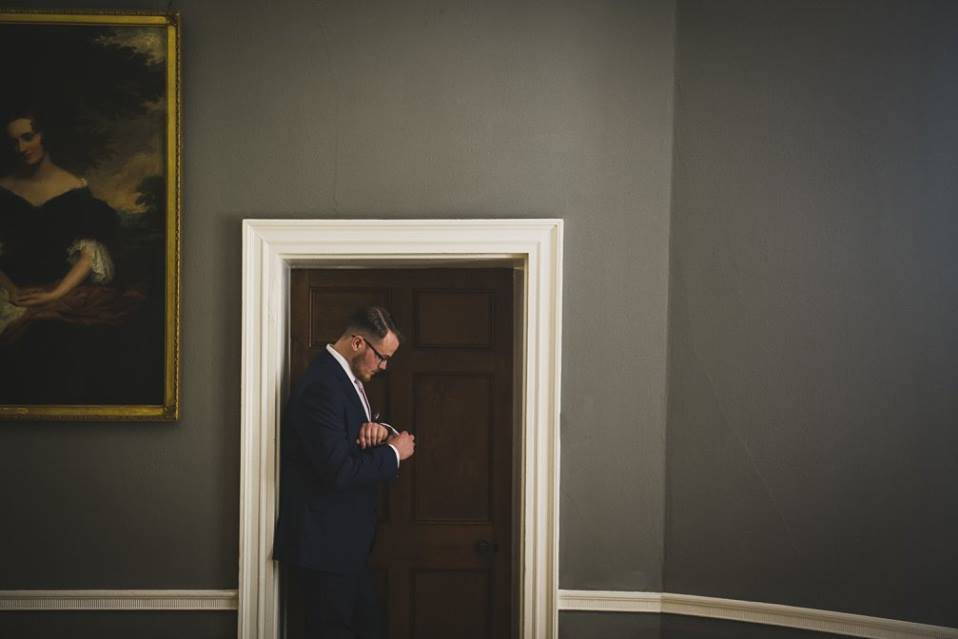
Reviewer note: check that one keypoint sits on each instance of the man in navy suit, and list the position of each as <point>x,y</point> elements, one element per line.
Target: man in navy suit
<point>333,458</point>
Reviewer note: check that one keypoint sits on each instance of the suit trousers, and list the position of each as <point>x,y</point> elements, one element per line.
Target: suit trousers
<point>341,606</point>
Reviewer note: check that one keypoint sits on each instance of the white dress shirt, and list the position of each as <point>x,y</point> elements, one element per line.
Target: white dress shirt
<point>355,382</point>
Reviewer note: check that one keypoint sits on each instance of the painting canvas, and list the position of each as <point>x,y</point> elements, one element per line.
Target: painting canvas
<point>89,216</point>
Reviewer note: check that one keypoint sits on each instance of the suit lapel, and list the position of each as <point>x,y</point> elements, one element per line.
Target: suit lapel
<point>353,395</point>
<point>358,413</point>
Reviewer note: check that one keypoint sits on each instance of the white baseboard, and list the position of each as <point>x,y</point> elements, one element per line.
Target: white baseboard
<point>118,600</point>
<point>839,623</point>
<point>610,601</point>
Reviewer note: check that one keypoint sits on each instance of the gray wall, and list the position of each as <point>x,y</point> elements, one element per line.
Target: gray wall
<point>609,625</point>
<point>813,386</point>
<point>812,358</point>
<point>385,109</point>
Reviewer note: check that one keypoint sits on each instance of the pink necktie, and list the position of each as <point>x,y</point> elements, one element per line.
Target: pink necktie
<point>362,395</point>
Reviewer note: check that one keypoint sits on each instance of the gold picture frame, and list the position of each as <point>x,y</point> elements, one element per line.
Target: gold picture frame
<point>90,217</point>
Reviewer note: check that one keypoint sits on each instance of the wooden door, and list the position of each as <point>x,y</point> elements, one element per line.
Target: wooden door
<point>443,551</point>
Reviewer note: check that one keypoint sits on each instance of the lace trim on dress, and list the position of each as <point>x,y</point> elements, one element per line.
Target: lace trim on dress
<point>101,266</point>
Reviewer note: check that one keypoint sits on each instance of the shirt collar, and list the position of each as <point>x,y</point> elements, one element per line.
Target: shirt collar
<point>342,362</point>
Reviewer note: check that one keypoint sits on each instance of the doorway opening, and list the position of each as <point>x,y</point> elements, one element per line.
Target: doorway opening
<point>272,250</point>
<point>444,559</point>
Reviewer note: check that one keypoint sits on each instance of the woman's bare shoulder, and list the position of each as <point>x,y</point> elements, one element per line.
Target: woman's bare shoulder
<point>66,181</point>
<point>39,191</point>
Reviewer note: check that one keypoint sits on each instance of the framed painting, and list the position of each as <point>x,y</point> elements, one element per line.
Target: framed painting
<point>89,216</point>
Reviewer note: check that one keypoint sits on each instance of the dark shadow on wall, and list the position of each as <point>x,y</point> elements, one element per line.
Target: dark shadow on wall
<point>608,625</point>
<point>679,627</point>
<point>118,624</point>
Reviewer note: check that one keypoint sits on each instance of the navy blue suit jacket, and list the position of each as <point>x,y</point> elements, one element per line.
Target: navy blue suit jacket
<point>329,487</point>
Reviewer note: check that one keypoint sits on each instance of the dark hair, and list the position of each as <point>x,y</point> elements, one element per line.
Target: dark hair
<point>374,321</point>
<point>8,160</point>
<point>22,113</point>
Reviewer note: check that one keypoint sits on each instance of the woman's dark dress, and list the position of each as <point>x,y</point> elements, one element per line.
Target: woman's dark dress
<point>80,351</point>
<point>36,239</point>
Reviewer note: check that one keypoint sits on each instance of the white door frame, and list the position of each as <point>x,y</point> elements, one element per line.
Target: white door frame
<point>270,249</point>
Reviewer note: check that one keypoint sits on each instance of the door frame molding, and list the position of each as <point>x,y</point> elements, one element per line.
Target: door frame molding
<point>270,249</point>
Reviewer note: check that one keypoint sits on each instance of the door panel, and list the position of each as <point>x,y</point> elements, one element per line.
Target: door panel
<point>453,488</point>
<point>454,319</point>
<point>443,553</point>
<point>469,620</point>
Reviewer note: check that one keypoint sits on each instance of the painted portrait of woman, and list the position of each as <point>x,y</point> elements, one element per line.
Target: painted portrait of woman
<point>83,218</point>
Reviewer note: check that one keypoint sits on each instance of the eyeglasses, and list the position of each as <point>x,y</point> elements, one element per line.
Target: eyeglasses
<point>383,360</point>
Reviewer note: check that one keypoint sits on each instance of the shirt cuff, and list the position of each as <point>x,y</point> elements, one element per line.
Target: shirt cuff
<point>395,450</point>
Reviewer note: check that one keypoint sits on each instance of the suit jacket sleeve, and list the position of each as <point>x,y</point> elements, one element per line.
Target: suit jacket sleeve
<point>329,441</point>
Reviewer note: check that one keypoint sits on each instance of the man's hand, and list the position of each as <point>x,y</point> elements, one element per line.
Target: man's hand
<point>371,434</point>
<point>405,444</point>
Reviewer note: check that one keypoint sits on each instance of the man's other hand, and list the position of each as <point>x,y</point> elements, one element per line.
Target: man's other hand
<point>371,434</point>
<point>405,444</point>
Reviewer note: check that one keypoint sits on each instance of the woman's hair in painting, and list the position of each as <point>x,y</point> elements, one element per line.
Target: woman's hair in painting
<point>8,156</point>
<point>64,137</point>
<point>373,320</point>
<point>22,112</point>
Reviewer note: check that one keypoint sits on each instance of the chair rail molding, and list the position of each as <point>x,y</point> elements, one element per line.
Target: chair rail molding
<point>839,623</point>
<point>270,249</point>
<point>118,600</point>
